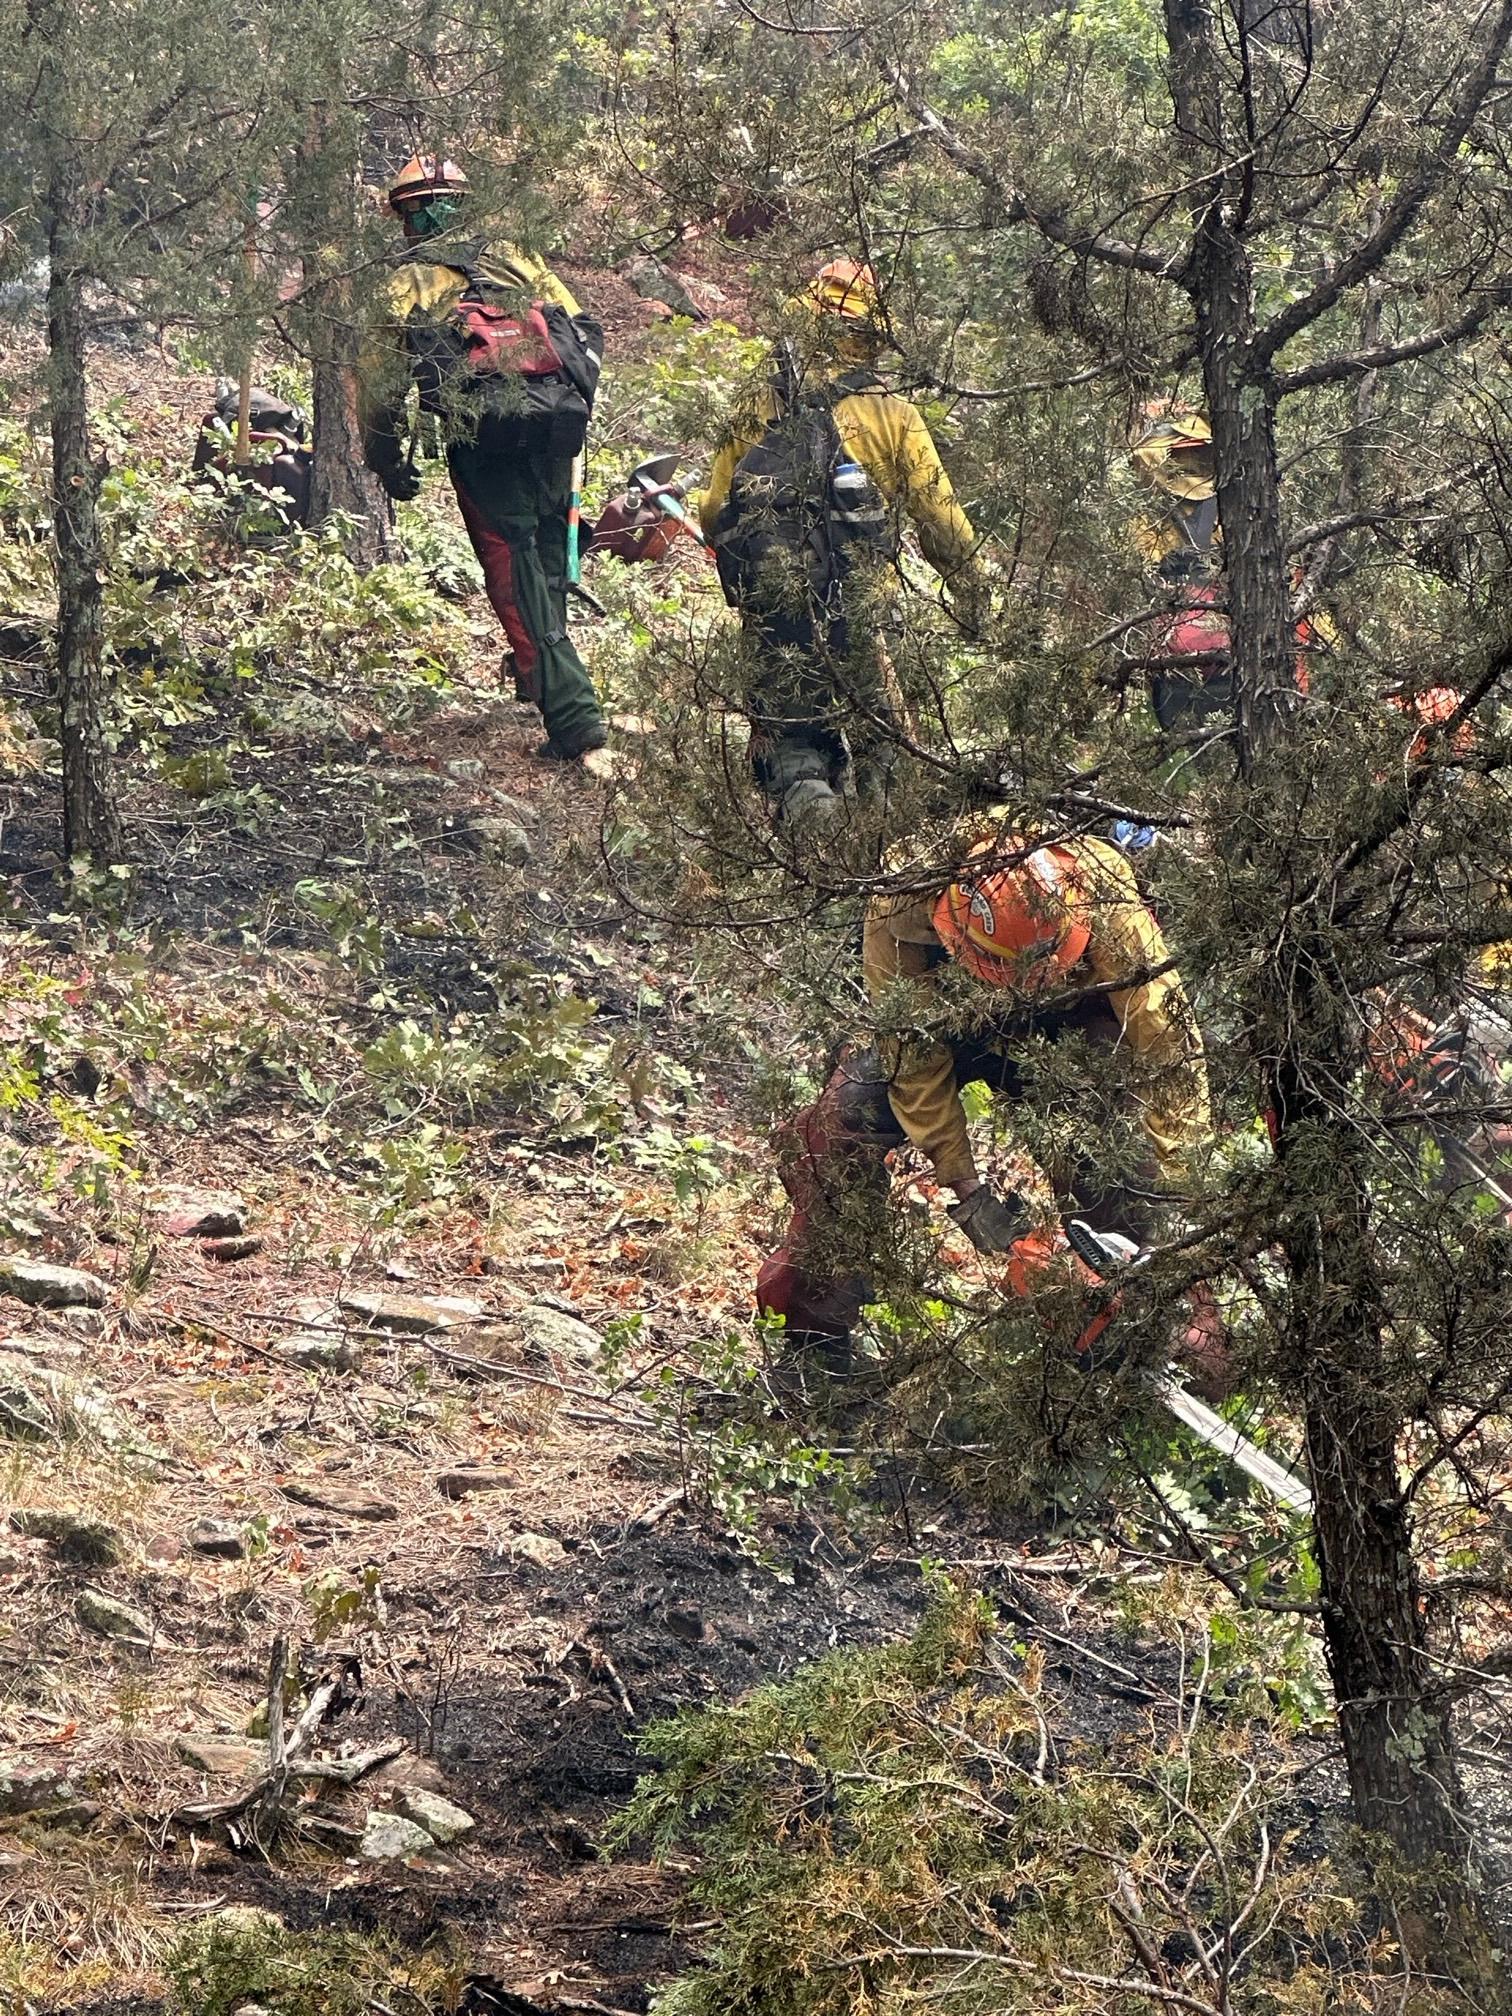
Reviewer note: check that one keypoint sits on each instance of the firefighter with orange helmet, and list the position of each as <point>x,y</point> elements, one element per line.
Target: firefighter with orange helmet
<point>1061,942</point>
<point>819,679</point>
<point>515,501</point>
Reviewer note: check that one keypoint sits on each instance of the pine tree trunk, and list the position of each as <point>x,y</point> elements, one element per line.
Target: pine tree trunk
<point>1395,1715</point>
<point>340,481</point>
<point>91,822</point>
<point>1242,414</point>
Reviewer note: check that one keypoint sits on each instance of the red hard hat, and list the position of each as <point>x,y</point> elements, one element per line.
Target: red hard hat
<point>425,175</point>
<point>1018,927</point>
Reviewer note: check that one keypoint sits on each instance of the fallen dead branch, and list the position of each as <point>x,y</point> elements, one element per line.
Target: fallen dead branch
<point>267,1795</point>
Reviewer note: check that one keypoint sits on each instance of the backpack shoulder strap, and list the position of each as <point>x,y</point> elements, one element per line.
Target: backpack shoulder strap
<point>1197,527</point>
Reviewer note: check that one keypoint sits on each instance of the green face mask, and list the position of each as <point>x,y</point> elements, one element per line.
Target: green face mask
<point>435,215</point>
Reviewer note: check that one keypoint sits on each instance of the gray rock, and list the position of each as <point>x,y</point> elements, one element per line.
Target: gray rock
<point>514,808</point>
<point>47,1287</point>
<point>403,781</point>
<point>92,1543</point>
<point>340,1498</point>
<point>466,769</point>
<point>468,1477</point>
<point>23,1416</point>
<point>46,1405</point>
<point>389,1837</point>
<point>408,1769</point>
<point>30,1788</point>
<point>439,1817</point>
<point>413,1315</point>
<point>473,714</point>
<point>112,1618</point>
<point>83,1322</point>
<point>241,1247</point>
<point>222,1538</point>
<point>553,1331</point>
<point>221,1756</point>
<point>36,1219</point>
<point>45,1343</point>
<point>539,1549</point>
<point>503,840</point>
<point>75,1813</point>
<point>655,282</point>
<point>201,1214</point>
<point>491,1343</point>
<point>319,1350</point>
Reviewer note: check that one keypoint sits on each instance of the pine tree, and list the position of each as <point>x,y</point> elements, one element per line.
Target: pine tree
<point>126,130</point>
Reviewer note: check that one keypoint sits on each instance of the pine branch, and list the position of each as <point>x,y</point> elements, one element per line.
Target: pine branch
<point>1399,216</point>
<point>1355,363</point>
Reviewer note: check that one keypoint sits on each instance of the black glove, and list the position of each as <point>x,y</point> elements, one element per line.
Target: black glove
<point>990,1222</point>
<point>401,480</point>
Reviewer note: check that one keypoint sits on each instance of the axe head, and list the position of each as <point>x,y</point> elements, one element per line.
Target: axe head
<point>655,473</point>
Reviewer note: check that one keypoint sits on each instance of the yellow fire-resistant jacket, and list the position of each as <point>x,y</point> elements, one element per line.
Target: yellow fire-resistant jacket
<point>888,437</point>
<point>428,287</point>
<point>901,944</point>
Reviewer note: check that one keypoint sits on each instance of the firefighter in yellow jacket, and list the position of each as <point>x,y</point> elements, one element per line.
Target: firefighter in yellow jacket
<point>515,505</point>
<point>804,507</point>
<point>1061,942</point>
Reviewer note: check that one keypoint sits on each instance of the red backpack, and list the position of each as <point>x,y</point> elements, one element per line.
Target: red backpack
<point>512,375</point>
<point>497,339</point>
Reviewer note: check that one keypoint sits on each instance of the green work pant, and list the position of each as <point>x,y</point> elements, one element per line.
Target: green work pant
<point>515,511</point>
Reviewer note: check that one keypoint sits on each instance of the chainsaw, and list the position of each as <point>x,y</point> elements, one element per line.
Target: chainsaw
<point>1108,1252</point>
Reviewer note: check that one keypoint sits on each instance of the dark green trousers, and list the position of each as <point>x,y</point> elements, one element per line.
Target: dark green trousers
<point>515,512</point>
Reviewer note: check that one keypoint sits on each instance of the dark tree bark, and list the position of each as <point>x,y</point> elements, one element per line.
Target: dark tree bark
<point>341,480</point>
<point>91,820</point>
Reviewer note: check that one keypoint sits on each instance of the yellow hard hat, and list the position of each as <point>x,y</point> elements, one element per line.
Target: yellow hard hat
<point>1174,452</point>
<point>847,289</point>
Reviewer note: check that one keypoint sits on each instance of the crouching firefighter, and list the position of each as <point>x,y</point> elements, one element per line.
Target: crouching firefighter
<point>803,509</point>
<point>1059,942</point>
<point>281,464</point>
<point>507,366</point>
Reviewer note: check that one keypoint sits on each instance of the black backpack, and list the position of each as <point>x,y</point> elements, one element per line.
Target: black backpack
<point>513,375</point>
<point>798,512</point>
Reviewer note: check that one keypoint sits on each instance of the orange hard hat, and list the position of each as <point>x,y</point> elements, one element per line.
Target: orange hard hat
<point>1018,927</point>
<point>423,176</point>
<point>846,288</point>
